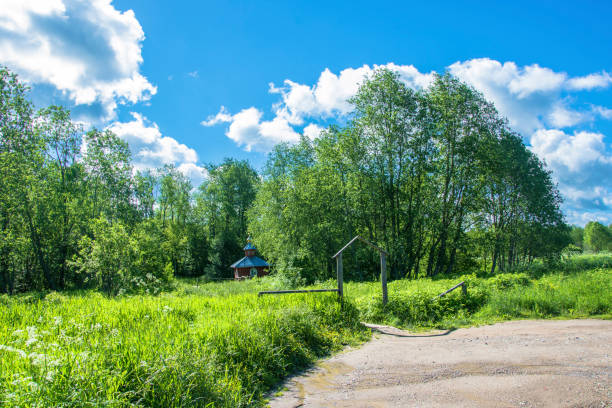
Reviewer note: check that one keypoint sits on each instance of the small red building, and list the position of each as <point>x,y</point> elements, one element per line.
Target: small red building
<point>251,265</point>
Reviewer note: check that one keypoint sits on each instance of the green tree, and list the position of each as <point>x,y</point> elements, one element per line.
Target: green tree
<point>597,237</point>
<point>18,153</point>
<point>107,259</point>
<point>107,161</point>
<point>222,203</point>
<point>577,236</point>
<point>435,177</point>
<point>63,186</point>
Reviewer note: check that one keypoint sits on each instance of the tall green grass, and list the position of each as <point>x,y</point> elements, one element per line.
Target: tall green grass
<point>219,345</point>
<point>174,350</point>
<point>577,295</point>
<point>577,287</point>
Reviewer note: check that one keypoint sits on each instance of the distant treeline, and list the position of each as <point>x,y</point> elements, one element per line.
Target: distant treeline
<point>436,177</point>
<point>594,237</point>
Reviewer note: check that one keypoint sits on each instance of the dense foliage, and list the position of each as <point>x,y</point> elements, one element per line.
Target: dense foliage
<point>435,177</point>
<point>75,214</point>
<point>594,237</point>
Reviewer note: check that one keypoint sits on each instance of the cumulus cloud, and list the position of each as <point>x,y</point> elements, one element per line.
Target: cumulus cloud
<point>150,149</point>
<point>329,96</point>
<point>602,111</point>
<point>248,129</point>
<point>87,50</point>
<point>312,131</point>
<point>582,166</point>
<point>561,116</point>
<point>532,97</point>
<point>572,152</point>
<point>527,96</point>
<point>222,117</point>
<point>327,99</point>
<point>591,81</point>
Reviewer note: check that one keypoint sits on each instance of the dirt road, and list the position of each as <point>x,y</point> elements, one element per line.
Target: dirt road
<point>530,363</point>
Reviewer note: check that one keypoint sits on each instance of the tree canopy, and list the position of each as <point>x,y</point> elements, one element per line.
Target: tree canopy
<point>436,177</point>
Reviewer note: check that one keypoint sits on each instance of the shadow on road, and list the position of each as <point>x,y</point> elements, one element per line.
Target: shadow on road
<point>395,332</point>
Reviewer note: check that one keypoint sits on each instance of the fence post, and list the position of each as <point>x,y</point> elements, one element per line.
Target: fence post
<point>383,276</point>
<point>339,271</point>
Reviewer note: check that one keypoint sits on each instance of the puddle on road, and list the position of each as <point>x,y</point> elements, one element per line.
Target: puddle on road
<point>323,378</point>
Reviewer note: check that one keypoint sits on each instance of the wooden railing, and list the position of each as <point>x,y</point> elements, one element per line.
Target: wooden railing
<point>463,289</point>
<point>280,292</point>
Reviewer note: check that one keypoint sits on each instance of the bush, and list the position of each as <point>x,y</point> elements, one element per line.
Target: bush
<point>509,280</point>
<point>115,263</point>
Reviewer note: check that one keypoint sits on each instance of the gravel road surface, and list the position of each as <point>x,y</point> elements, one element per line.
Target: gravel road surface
<point>530,363</point>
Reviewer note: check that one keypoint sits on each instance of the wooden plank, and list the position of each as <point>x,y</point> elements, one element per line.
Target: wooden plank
<point>281,292</point>
<point>365,241</point>
<point>451,289</point>
<point>383,276</point>
<point>346,246</point>
<point>339,272</point>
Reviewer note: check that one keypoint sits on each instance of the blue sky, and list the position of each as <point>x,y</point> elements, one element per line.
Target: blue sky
<point>190,83</point>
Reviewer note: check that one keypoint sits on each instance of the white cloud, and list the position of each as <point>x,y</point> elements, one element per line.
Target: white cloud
<point>222,117</point>
<point>533,78</point>
<point>569,152</point>
<point>561,116</point>
<point>150,149</point>
<point>194,74</point>
<point>531,97</point>
<point>326,99</point>
<point>583,169</point>
<point>591,81</point>
<point>312,131</point>
<point>329,96</point>
<point>525,95</point>
<point>89,51</point>
<point>248,130</point>
<point>195,173</point>
<point>604,112</point>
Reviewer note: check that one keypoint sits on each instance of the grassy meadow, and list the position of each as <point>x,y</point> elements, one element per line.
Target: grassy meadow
<point>219,345</point>
<point>173,350</point>
<point>576,288</point>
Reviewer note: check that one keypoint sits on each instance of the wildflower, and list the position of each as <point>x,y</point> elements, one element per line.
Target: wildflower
<point>37,359</point>
<point>32,336</point>
<point>13,350</point>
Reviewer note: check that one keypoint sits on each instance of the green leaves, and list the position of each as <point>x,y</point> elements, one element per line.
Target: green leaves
<point>597,237</point>
<point>435,177</point>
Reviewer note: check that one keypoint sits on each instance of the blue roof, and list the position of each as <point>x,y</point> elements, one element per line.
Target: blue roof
<point>249,262</point>
<point>249,246</point>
